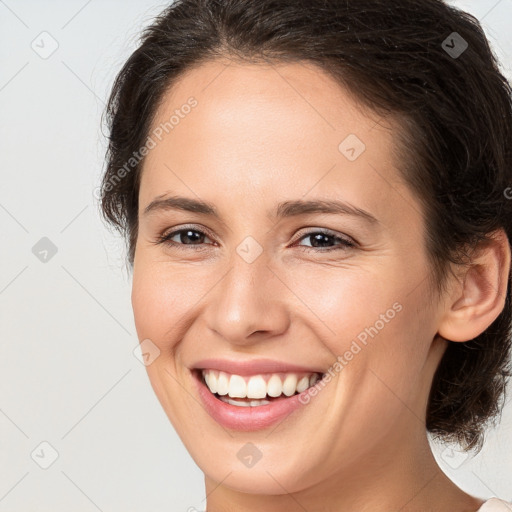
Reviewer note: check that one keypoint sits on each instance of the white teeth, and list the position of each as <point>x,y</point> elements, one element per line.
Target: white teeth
<point>257,387</point>
<point>211,382</point>
<point>222,384</point>
<point>303,384</point>
<point>290,384</point>
<point>255,403</point>
<point>237,387</point>
<point>235,402</point>
<point>243,403</point>
<point>274,386</point>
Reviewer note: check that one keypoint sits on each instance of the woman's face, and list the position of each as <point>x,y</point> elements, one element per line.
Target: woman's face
<point>258,280</point>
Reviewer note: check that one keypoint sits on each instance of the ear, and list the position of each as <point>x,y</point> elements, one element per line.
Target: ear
<point>478,296</point>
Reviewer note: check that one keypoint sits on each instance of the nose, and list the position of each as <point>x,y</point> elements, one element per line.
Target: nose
<point>249,303</point>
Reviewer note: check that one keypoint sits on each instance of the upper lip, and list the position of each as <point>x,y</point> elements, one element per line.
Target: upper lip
<point>252,366</point>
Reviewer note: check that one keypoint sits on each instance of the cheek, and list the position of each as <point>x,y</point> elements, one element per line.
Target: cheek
<point>161,297</point>
<point>341,303</point>
<point>385,358</point>
<point>373,322</point>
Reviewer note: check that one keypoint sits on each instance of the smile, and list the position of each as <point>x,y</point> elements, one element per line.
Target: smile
<point>256,390</point>
<point>252,401</point>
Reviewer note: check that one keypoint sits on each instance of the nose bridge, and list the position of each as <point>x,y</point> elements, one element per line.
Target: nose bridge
<point>247,299</point>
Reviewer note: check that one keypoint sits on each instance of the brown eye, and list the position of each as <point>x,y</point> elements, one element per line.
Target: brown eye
<point>322,241</point>
<point>180,238</point>
<point>187,236</point>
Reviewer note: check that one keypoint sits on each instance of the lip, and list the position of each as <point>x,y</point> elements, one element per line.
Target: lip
<point>252,367</point>
<point>247,418</point>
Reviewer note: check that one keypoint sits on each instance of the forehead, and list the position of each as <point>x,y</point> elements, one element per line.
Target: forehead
<point>260,130</point>
<point>235,100</point>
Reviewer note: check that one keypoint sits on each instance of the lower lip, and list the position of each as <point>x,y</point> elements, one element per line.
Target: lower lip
<point>247,418</point>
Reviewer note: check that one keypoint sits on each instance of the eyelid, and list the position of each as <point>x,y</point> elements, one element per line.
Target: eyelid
<point>346,241</point>
<point>313,230</point>
<point>192,227</point>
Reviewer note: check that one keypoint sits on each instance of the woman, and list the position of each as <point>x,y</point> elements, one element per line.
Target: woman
<point>314,197</point>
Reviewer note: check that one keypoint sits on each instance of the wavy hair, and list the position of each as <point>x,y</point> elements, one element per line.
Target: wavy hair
<point>421,62</point>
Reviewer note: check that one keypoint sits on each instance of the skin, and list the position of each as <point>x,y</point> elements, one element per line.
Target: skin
<point>260,135</point>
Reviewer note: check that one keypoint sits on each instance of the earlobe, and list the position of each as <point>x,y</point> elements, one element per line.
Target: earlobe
<point>480,294</point>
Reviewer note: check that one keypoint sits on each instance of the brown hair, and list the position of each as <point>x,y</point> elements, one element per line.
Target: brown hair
<point>422,62</point>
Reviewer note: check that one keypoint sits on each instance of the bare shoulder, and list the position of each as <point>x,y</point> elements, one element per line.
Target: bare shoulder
<point>496,505</point>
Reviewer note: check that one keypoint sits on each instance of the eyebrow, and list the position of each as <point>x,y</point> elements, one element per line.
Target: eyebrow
<point>285,209</point>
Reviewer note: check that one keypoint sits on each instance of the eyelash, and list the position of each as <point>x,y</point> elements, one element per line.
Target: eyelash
<point>344,245</point>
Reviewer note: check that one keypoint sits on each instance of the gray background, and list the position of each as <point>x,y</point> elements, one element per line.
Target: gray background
<point>68,373</point>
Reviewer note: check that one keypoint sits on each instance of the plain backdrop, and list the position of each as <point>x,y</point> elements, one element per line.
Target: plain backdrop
<point>69,376</point>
